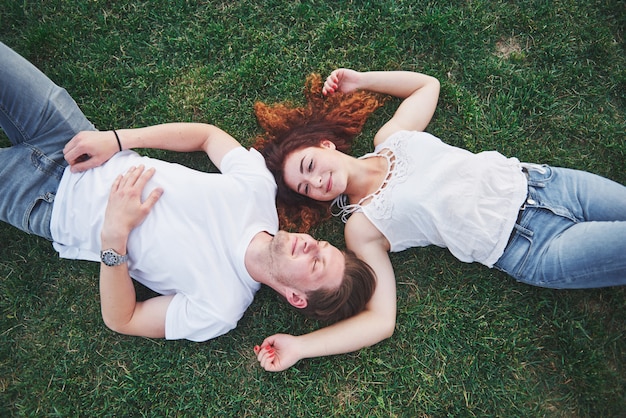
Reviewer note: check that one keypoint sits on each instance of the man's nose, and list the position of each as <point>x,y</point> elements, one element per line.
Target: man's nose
<point>310,245</point>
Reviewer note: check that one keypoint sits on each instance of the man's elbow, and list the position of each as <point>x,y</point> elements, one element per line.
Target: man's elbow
<point>134,326</point>
<point>116,325</point>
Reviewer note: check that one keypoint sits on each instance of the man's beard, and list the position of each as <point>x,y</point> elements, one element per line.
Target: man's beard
<point>277,251</point>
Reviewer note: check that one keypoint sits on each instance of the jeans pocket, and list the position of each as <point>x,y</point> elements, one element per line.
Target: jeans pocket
<point>38,216</point>
<point>514,260</point>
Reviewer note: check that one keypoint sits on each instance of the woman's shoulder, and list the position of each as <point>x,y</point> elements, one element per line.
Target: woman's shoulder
<point>359,229</point>
<point>402,136</point>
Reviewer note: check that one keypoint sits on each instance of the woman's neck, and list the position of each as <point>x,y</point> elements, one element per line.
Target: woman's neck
<point>366,177</point>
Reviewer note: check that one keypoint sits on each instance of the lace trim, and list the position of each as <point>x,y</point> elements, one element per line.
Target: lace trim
<point>398,163</point>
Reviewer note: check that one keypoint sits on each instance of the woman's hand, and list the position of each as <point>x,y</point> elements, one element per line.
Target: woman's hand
<point>342,80</point>
<point>89,149</point>
<point>278,352</point>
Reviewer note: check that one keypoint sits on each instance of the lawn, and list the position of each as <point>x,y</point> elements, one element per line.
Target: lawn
<point>544,81</point>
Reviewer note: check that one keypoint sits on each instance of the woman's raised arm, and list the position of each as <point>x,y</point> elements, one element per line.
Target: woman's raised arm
<point>419,91</point>
<point>374,324</point>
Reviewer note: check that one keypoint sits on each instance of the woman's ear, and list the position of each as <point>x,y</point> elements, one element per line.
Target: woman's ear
<point>326,143</point>
<point>296,300</point>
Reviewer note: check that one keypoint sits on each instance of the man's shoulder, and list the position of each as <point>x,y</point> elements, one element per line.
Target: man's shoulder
<point>249,163</point>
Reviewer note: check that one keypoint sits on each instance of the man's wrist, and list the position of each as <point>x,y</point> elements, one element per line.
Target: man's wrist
<point>117,138</point>
<point>115,246</point>
<point>114,237</point>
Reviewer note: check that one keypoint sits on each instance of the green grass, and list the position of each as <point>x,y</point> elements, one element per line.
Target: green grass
<point>544,81</point>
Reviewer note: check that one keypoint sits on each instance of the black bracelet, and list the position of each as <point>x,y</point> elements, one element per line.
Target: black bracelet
<point>119,144</point>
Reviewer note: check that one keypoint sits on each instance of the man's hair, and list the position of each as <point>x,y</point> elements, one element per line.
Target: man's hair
<point>338,118</point>
<point>350,298</point>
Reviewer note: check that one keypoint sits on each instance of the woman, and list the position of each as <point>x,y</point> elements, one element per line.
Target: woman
<point>545,226</point>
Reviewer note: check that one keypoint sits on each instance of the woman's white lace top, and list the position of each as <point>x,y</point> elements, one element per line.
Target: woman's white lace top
<point>438,194</point>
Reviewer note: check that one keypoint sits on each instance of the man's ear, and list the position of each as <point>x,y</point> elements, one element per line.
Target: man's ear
<point>295,299</point>
<point>328,144</point>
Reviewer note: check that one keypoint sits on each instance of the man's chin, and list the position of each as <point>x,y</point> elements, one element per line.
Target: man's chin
<point>279,242</point>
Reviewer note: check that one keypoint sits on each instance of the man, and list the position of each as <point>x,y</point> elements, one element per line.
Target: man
<point>204,241</point>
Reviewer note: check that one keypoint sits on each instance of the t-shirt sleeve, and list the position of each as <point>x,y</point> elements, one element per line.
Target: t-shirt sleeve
<point>241,161</point>
<point>185,320</point>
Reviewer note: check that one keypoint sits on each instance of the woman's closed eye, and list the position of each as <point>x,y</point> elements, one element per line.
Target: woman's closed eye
<point>303,188</point>
<point>309,170</point>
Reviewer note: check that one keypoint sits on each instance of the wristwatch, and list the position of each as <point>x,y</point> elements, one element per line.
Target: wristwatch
<point>112,258</point>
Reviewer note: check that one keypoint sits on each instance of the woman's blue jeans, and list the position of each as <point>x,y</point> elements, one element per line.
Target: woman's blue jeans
<point>39,118</point>
<point>571,233</point>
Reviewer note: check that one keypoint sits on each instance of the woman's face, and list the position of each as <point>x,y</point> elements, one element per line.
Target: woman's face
<point>316,172</point>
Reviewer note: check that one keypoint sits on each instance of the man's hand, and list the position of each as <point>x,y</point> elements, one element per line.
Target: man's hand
<point>125,210</point>
<point>89,149</point>
<point>278,352</point>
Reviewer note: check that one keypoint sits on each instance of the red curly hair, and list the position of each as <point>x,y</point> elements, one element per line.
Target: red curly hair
<point>338,118</point>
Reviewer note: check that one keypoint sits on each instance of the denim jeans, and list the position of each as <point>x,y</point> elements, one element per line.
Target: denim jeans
<point>571,232</point>
<point>39,118</point>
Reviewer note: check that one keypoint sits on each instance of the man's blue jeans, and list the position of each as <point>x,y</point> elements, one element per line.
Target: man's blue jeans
<point>571,233</point>
<point>39,118</point>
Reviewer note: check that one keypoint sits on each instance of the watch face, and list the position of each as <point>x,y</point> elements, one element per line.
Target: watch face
<point>111,258</point>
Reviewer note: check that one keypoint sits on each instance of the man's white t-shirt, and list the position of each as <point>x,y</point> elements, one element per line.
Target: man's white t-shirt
<point>193,242</point>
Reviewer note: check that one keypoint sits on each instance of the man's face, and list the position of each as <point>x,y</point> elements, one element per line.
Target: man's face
<point>299,261</point>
